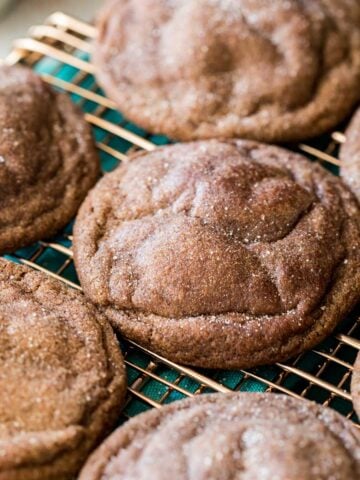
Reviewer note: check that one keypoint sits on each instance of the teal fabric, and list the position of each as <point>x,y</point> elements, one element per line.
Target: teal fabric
<point>309,362</point>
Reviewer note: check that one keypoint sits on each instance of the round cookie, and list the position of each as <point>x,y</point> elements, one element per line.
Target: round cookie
<point>220,254</point>
<point>355,385</point>
<point>62,377</point>
<point>350,156</point>
<point>48,160</point>
<point>228,436</point>
<point>194,69</point>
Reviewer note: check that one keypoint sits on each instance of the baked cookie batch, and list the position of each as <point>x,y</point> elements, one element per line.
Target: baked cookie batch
<point>220,253</point>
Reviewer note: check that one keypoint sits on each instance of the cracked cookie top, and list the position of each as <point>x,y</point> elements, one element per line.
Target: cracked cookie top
<point>227,436</point>
<point>350,156</point>
<point>62,376</point>
<point>219,233</point>
<point>48,160</point>
<point>271,71</point>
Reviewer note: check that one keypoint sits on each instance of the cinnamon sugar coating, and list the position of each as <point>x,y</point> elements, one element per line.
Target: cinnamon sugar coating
<point>48,160</point>
<point>223,254</point>
<point>272,71</point>
<point>62,377</point>
<point>245,436</point>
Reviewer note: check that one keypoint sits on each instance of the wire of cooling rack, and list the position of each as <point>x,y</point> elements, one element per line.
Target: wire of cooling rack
<point>59,51</point>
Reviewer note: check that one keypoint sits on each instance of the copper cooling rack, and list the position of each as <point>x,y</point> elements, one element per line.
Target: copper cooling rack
<point>60,50</point>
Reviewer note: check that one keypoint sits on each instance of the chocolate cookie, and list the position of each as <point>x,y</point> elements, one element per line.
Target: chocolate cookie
<point>222,254</point>
<point>266,70</point>
<point>62,377</point>
<point>228,436</point>
<point>355,385</point>
<point>350,156</point>
<point>48,160</point>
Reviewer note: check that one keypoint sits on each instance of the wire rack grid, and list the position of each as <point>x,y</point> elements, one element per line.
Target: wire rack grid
<point>60,51</point>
